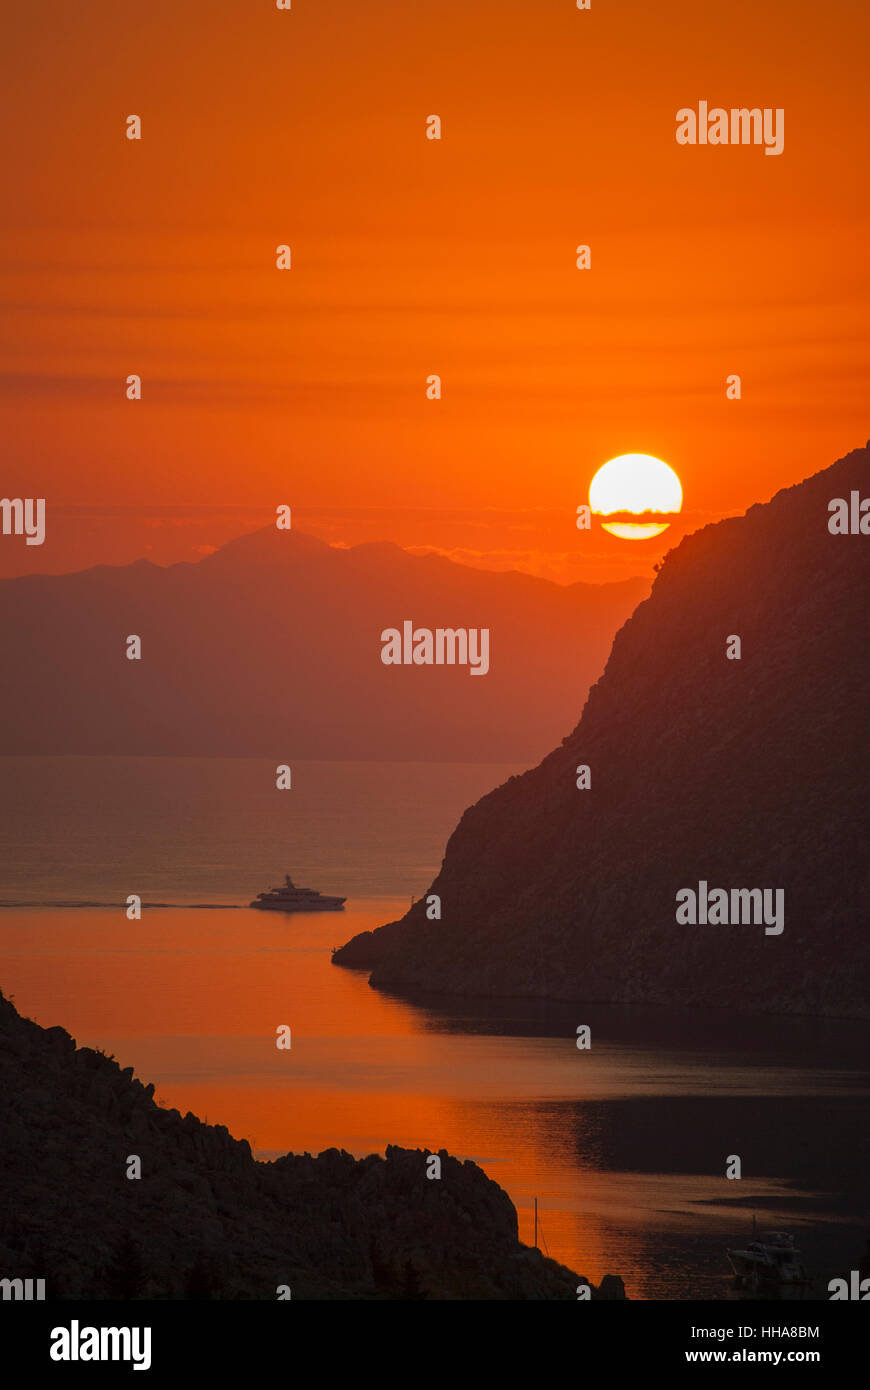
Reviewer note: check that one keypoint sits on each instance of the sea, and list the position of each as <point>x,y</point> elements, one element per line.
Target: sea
<point>623,1146</point>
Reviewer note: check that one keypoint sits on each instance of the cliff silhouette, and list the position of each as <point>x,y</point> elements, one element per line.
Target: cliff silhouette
<point>741,773</point>
<point>270,647</point>
<point>206,1220</point>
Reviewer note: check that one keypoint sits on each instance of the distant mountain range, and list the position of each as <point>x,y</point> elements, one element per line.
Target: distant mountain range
<point>272,647</point>
<point>707,773</point>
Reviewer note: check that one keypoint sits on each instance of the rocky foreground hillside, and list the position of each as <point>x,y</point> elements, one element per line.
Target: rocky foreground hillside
<point>207,1221</point>
<point>749,773</point>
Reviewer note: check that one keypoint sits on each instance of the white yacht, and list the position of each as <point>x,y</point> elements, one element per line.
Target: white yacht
<point>767,1261</point>
<point>289,898</point>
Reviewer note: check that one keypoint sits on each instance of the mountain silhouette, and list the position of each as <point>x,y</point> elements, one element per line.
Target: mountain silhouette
<point>271,647</point>
<point>748,773</point>
<point>208,1221</point>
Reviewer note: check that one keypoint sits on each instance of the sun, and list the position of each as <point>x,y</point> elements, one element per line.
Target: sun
<point>635,483</point>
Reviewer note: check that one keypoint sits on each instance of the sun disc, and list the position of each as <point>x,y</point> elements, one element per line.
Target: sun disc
<point>634,530</point>
<point>638,484</point>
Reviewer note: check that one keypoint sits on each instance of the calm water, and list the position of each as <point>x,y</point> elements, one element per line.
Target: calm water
<point>624,1146</point>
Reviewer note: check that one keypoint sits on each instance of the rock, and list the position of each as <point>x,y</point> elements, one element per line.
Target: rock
<point>207,1221</point>
<point>748,773</point>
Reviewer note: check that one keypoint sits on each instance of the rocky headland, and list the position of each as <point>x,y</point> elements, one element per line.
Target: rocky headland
<point>207,1221</point>
<point>739,773</point>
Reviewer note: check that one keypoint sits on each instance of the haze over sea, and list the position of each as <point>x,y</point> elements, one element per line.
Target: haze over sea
<point>624,1146</point>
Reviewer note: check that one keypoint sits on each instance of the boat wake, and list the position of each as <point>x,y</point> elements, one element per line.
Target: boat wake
<point>56,902</point>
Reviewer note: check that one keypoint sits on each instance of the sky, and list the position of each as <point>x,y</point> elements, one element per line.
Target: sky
<point>411,257</point>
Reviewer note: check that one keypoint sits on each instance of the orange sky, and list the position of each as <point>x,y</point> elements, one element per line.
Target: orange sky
<point>413,256</point>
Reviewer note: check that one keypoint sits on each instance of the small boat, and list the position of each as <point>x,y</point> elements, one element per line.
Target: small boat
<point>289,898</point>
<point>768,1262</point>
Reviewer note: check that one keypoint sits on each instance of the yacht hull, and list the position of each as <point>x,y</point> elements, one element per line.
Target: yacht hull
<point>767,1264</point>
<point>327,905</point>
